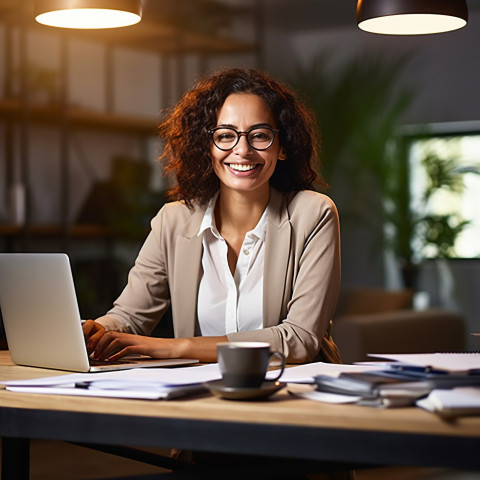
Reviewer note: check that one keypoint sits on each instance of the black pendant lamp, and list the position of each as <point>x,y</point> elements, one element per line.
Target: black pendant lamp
<point>411,17</point>
<point>84,14</point>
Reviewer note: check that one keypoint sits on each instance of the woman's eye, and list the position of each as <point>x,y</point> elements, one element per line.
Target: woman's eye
<point>260,137</point>
<point>225,137</point>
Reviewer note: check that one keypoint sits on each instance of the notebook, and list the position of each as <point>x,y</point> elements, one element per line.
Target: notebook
<point>42,320</point>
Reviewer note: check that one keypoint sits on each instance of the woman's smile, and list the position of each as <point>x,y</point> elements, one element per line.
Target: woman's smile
<point>242,167</point>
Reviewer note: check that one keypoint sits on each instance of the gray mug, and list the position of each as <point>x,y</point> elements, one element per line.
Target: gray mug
<point>245,364</point>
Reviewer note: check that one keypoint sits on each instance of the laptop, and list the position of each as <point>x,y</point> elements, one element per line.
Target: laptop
<point>42,320</point>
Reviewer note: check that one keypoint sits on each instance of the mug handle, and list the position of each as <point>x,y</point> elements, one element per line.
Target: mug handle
<point>282,368</point>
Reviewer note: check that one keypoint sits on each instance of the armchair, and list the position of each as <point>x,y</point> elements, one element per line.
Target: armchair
<point>382,321</point>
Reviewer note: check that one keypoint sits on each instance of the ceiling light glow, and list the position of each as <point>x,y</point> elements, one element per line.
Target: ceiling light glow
<point>88,14</point>
<point>411,17</point>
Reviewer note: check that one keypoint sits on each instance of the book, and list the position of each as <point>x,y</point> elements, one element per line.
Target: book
<point>453,402</point>
<point>372,385</point>
<point>466,363</point>
<point>391,387</point>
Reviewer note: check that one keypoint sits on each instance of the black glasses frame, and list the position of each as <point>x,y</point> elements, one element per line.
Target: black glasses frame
<point>247,134</point>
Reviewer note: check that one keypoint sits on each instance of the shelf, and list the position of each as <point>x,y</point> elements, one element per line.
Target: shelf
<point>163,38</point>
<point>83,118</point>
<point>50,230</point>
<point>167,27</point>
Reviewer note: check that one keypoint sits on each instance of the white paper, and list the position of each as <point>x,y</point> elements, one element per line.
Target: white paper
<point>326,397</point>
<point>304,373</point>
<point>460,399</point>
<point>140,376</point>
<point>158,383</point>
<point>451,362</point>
<point>159,394</point>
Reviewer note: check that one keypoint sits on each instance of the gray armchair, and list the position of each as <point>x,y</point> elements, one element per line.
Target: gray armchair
<point>382,321</point>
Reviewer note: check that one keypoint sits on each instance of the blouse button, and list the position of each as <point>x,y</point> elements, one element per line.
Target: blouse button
<point>246,251</point>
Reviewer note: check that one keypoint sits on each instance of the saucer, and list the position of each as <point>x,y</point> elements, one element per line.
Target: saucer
<point>218,388</point>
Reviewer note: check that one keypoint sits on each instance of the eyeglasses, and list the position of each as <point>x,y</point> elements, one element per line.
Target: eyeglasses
<point>259,138</point>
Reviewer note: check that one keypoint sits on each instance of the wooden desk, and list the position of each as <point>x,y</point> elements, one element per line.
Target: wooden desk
<point>282,426</point>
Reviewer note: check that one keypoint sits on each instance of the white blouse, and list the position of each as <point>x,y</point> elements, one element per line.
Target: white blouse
<point>231,303</point>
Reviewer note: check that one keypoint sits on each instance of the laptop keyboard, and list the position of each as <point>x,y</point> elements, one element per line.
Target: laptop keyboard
<point>105,363</point>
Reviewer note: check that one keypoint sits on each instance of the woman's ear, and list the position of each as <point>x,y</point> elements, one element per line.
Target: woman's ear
<point>282,154</point>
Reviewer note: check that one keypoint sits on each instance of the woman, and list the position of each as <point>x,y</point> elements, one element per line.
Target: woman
<point>249,252</point>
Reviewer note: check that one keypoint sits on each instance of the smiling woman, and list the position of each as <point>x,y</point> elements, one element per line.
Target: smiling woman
<point>245,160</point>
<point>248,251</point>
<point>188,129</point>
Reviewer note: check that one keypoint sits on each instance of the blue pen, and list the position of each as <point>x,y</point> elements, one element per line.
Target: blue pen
<point>416,370</point>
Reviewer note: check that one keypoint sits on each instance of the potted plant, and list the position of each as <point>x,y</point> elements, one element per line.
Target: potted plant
<point>417,230</point>
<point>439,231</point>
<point>359,106</point>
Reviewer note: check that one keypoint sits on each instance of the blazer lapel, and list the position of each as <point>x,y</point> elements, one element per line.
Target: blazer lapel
<point>277,260</point>
<point>188,271</point>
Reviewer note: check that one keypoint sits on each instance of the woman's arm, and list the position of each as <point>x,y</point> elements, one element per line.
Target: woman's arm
<point>113,345</point>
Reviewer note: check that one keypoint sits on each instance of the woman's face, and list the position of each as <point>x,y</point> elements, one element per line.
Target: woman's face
<point>243,168</point>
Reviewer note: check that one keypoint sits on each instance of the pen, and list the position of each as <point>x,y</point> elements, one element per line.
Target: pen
<point>417,370</point>
<point>84,385</point>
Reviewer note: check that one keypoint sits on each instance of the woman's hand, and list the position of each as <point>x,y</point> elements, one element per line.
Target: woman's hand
<point>93,332</point>
<point>115,345</point>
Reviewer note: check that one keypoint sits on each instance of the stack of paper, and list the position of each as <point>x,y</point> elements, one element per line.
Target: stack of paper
<point>455,377</point>
<point>335,384</point>
<point>403,380</point>
<point>159,383</point>
<point>430,380</point>
<point>141,383</point>
<point>457,401</point>
<point>306,372</point>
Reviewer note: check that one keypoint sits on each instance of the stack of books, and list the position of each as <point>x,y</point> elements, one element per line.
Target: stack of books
<point>419,379</point>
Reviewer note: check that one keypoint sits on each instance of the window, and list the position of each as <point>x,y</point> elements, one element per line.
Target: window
<point>445,191</point>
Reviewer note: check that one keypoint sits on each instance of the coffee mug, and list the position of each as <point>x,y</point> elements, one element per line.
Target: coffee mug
<point>245,364</point>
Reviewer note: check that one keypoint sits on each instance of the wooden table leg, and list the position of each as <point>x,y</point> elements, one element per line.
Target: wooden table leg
<point>15,458</point>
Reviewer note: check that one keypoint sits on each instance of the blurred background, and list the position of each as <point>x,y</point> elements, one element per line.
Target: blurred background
<point>399,124</point>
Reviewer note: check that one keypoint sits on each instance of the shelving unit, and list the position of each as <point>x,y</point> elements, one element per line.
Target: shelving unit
<point>167,26</point>
<point>157,36</point>
<point>171,28</point>
<point>11,110</point>
<point>66,120</point>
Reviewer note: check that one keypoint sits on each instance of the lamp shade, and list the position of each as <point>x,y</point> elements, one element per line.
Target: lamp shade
<point>411,17</point>
<point>88,13</point>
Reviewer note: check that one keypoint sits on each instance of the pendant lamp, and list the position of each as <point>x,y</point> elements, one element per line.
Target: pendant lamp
<point>411,17</point>
<point>88,13</point>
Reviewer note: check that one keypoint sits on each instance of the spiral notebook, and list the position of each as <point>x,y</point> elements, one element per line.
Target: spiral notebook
<point>458,363</point>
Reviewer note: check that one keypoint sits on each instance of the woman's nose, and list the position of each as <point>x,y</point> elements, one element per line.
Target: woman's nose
<point>242,145</point>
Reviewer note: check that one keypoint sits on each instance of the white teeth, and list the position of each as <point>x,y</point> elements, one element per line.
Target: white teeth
<point>241,168</point>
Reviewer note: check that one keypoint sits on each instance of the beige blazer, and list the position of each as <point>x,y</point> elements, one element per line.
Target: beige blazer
<point>301,280</point>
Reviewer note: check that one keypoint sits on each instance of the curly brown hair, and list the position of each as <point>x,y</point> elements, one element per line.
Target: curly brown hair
<point>187,148</point>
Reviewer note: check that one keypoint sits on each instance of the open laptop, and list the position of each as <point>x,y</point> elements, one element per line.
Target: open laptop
<point>42,320</point>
